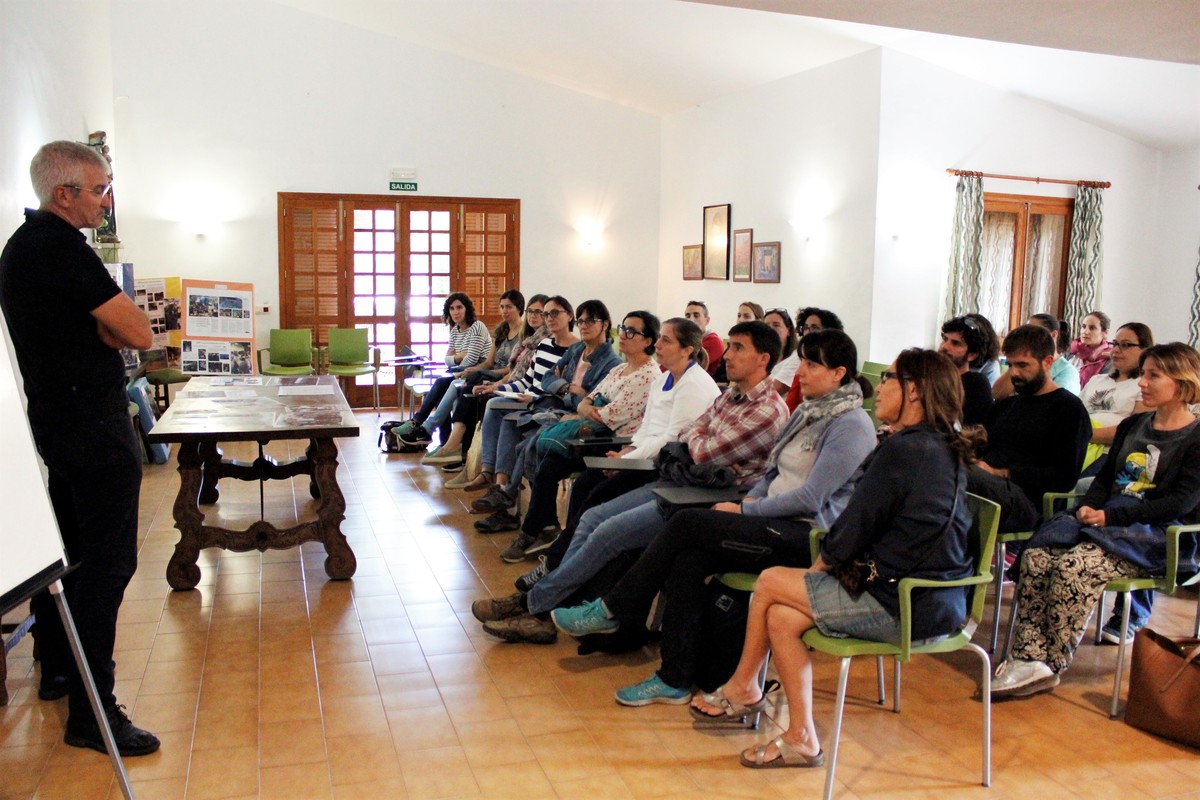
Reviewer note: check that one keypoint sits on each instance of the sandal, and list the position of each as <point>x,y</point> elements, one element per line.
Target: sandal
<point>730,712</point>
<point>789,757</point>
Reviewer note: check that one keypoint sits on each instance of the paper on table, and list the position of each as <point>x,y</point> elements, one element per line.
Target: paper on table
<point>285,391</point>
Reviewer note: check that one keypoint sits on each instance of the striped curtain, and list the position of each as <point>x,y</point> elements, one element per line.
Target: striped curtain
<point>1194,325</point>
<point>1086,256</point>
<point>965,281</point>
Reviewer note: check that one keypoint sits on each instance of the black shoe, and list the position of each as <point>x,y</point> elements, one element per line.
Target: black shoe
<point>131,740</point>
<point>53,687</point>
<point>499,522</point>
<point>456,467</point>
<point>417,438</point>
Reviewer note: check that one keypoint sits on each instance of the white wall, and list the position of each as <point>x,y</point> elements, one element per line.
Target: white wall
<point>56,63</point>
<point>797,160</point>
<point>1175,259</point>
<point>223,104</point>
<point>933,119</point>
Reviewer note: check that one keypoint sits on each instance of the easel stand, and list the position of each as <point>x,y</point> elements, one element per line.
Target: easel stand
<point>56,589</point>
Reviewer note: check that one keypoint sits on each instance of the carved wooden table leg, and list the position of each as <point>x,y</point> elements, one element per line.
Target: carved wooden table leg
<point>340,562</point>
<point>182,571</point>
<point>210,456</point>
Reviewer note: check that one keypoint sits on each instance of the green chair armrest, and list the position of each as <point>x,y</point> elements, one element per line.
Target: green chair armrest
<point>1049,499</point>
<point>905,591</point>
<point>1174,534</point>
<point>814,542</point>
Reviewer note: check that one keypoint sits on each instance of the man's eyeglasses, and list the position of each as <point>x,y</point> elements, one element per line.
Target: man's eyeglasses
<point>889,375</point>
<point>1125,345</point>
<point>102,192</point>
<point>629,332</point>
<point>554,314</point>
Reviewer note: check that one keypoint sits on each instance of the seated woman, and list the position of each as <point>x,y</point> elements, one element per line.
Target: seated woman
<point>614,408</point>
<point>467,409</point>
<point>468,346</point>
<point>1091,351</point>
<point>748,312</point>
<point>1151,480</point>
<point>781,321</point>
<point>908,517</point>
<point>506,338</point>
<point>580,370</point>
<point>810,477</point>
<point>500,435</point>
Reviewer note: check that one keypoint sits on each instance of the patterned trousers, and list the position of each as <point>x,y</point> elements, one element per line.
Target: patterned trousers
<point>1058,587</point>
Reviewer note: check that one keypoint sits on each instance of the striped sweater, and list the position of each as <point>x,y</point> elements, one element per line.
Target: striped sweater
<point>547,356</point>
<point>474,344</point>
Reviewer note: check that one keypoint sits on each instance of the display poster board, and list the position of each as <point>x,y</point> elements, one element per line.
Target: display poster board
<point>122,275</point>
<point>31,550</point>
<point>218,328</point>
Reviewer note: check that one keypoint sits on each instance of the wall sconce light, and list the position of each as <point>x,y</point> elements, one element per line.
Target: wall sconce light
<point>590,234</point>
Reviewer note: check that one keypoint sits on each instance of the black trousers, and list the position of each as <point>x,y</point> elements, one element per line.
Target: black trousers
<point>695,544</point>
<point>592,488</point>
<point>95,468</point>
<point>1017,511</point>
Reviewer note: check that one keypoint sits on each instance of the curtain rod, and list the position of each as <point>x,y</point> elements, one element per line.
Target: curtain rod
<point>970,174</point>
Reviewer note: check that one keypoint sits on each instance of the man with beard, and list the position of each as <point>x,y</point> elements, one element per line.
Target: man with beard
<point>963,341</point>
<point>1036,437</point>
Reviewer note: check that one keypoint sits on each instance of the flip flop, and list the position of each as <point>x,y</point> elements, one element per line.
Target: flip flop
<point>789,757</point>
<point>731,713</point>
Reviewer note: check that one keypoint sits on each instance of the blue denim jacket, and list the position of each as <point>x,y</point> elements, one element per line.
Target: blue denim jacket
<point>602,362</point>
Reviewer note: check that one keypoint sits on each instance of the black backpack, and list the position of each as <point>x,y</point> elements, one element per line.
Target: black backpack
<point>627,637</point>
<point>388,443</point>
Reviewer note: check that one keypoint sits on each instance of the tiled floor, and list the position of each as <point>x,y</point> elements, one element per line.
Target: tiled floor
<point>270,680</point>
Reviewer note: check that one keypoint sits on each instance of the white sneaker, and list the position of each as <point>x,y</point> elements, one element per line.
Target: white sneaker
<point>1019,678</point>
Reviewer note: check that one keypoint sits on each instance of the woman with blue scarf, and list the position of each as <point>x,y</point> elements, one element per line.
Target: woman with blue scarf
<point>810,477</point>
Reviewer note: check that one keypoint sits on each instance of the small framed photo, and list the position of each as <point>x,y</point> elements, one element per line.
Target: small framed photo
<point>716,242</point>
<point>765,263</point>
<point>693,262</point>
<point>742,241</point>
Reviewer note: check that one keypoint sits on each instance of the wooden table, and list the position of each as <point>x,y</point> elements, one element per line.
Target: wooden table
<point>260,409</point>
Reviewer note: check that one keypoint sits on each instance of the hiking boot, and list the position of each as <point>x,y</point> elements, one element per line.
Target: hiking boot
<point>495,500</point>
<point>492,609</point>
<point>525,628</point>
<point>527,581</point>
<point>499,522</point>
<point>130,739</point>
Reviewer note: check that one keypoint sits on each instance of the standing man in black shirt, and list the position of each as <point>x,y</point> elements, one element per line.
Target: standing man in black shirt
<point>1036,437</point>
<point>963,342</point>
<point>68,321</point>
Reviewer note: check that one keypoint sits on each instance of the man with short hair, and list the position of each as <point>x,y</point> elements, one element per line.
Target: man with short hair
<point>1036,438</point>
<point>737,432</point>
<point>697,312</point>
<point>962,342</point>
<point>58,298</point>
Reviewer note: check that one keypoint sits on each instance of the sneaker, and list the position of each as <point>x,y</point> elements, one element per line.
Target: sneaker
<point>525,545</point>
<point>527,581</point>
<point>495,500</point>
<point>416,437</point>
<point>130,739</point>
<point>407,427</point>
<point>652,690</point>
<point>515,552</point>
<point>499,522</point>
<point>526,629</point>
<point>1111,632</point>
<point>491,609</point>
<point>1019,678</point>
<point>444,456</point>
<point>582,620</point>
<point>459,481</point>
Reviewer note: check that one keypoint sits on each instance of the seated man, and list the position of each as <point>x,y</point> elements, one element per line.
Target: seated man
<point>737,432</point>
<point>1036,437</point>
<point>697,312</point>
<point>964,342</point>
<point>1062,372</point>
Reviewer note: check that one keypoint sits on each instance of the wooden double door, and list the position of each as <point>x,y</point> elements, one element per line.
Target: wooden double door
<point>387,264</point>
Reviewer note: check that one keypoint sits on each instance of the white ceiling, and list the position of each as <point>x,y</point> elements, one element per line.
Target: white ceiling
<point>1140,78</point>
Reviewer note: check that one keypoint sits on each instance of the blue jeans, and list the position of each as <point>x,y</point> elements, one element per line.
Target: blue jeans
<point>629,522</point>
<point>442,412</point>
<point>1139,612</point>
<point>500,437</point>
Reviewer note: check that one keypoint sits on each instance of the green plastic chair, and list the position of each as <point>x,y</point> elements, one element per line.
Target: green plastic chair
<point>985,520</point>
<point>350,356</point>
<point>162,380</point>
<point>1166,584</point>
<point>291,352</point>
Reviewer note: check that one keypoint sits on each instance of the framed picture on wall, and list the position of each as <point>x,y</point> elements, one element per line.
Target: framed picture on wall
<point>716,242</point>
<point>765,267</point>
<point>742,241</point>
<point>693,262</point>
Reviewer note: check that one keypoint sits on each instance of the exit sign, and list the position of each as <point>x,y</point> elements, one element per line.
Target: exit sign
<point>402,186</point>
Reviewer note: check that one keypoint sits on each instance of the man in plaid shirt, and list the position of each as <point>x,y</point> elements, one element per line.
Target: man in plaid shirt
<point>737,432</point>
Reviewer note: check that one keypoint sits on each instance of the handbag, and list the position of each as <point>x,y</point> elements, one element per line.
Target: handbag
<point>1164,687</point>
